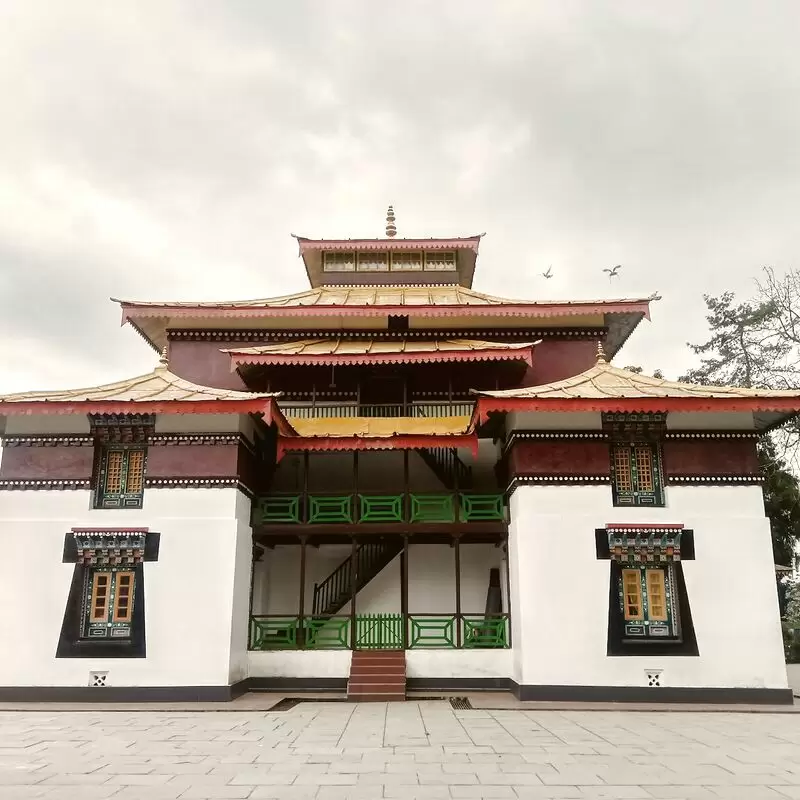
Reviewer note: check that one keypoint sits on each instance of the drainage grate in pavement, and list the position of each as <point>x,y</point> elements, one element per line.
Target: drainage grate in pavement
<point>460,703</point>
<point>286,704</point>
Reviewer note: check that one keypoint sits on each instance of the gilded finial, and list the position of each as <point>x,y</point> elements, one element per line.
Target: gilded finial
<point>391,228</point>
<point>601,353</point>
<point>163,360</point>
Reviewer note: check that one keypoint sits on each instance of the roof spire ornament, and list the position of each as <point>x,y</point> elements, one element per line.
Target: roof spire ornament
<point>163,360</point>
<point>391,228</point>
<point>601,353</point>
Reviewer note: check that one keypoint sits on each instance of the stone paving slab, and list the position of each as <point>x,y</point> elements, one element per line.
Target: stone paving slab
<point>423,749</point>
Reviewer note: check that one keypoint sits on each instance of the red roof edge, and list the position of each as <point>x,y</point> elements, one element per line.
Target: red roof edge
<point>493,405</point>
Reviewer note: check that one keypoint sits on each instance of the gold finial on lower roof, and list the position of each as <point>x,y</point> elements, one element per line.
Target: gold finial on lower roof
<point>601,353</point>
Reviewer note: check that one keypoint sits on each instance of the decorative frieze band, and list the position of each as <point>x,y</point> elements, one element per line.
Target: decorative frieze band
<point>719,480</point>
<point>172,439</point>
<point>44,484</point>
<point>197,483</point>
<point>266,336</point>
<point>557,480</point>
<point>41,440</point>
<point>712,435</point>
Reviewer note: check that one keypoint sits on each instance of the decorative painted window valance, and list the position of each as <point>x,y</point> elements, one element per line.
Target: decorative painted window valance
<point>122,428</point>
<point>635,427</point>
<point>110,547</point>
<point>653,544</point>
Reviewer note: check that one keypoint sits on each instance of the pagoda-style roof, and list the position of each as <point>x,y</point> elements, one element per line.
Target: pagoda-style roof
<point>604,387</point>
<point>374,433</point>
<point>340,307</point>
<point>159,391</point>
<point>381,351</point>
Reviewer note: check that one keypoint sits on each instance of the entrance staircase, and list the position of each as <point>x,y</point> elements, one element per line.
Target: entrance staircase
<point>377,675</point>
<point>337,589</point>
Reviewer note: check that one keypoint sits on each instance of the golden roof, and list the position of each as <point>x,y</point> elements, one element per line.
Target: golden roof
<point>604,381</point>
<point>369,347</point>
<point>374,295</point>
<point>158,386</point>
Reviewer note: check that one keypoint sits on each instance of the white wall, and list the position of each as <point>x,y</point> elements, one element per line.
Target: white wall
<point>560,589</point>
<point>196,609</point>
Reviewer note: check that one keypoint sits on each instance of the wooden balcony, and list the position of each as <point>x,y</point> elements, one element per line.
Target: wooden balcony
<point>352,408</point>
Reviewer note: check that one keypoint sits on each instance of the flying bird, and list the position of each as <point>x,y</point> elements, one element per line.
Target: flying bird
<point>549,273</point>
<point>612,273</point>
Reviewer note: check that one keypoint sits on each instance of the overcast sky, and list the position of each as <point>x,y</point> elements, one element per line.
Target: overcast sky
<point>166,150</point>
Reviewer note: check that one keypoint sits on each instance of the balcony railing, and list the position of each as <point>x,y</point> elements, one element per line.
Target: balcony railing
<point>314,410</point>
<point>290,508</point>
<point>379,632</point>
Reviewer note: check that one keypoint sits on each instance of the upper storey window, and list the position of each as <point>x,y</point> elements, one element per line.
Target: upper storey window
<point>373,262</point>
<point>440,261</point>
<point>381,261</point>
<point>339,262</point>
<point>407,262</point>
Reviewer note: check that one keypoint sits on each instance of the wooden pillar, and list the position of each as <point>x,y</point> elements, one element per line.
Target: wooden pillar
<point>306,469</point>
<point>353,589</point>
<point>355,501</point>
<point>406,498</point>
<point>458,589</point>
<point>508,588</point>
<point>301,609</point>
<point>404,589</point>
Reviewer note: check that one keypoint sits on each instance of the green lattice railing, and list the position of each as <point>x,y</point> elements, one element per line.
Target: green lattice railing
<point>279,508</point>
<point>482,507</point>
<point>431,631</point>
<point>336,508</point>
<point>379,508</point>
<point>380,632</point>
<point>486,631</point>
<point>273,633</point>
<point>327,633</point>
<point>432,508</point>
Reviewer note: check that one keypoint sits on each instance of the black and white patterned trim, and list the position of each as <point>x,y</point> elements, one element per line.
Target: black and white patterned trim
<point>42,440</point>
<point>558,480</point>
<point>720,480</point>
<point>43,484</point>
<point>712,435</point>
<point>197,483</point>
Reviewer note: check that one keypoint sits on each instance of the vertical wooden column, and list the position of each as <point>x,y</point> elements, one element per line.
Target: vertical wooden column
<point>508,590</point>
<point>353,589</point>
<point>355,506</point>
<point>457,548</point>
<point>404,589</point>
<point>301,609</point>
<point>306,502</point>
<point>406,498</point>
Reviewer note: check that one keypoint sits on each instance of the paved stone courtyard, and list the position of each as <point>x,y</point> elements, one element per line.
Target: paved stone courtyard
<point>333,751</point>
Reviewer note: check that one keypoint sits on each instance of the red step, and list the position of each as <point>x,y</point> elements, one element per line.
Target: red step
<point>377,675</point>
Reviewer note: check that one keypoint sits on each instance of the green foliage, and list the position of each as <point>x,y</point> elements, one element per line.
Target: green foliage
<point>781,502</point>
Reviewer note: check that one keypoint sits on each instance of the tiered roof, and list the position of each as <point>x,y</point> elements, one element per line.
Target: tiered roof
<point>604,387</point>
<point>381,351</point>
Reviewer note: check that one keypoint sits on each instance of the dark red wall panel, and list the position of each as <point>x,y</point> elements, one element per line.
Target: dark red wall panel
<point>710,457</point>
<point>559,457</point>
<point>50,463</point>
<point>192,461</point>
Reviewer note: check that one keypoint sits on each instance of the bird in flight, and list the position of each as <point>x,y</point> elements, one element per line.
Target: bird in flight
<point>612,273</point>
<point>549,273</point>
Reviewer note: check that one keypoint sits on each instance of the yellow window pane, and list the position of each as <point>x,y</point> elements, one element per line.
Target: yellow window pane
<point>644,468</point>
<point>114,459</point>
<point>123,605</point>
<point>101,585</point>
<point>622,469</point>
<point>134,480</point>
<point>632,594</point>
<point>656,595</point>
